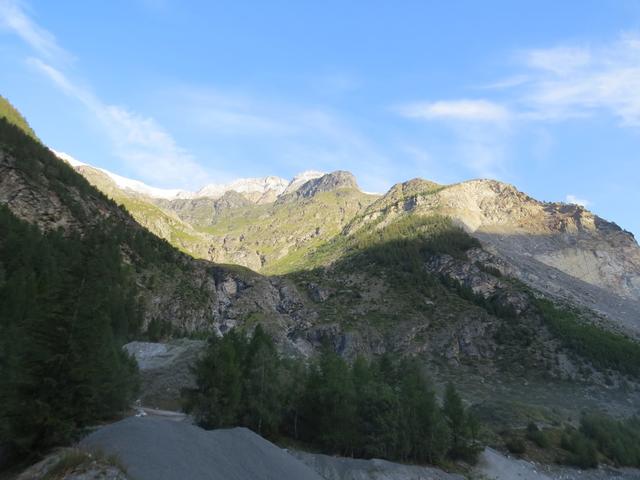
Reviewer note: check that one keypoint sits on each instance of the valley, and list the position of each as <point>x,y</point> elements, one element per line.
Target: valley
<point>531,309</point>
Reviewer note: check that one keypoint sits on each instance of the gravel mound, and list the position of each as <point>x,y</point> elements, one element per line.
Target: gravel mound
<point>157,449</point>
<point>338,468</point>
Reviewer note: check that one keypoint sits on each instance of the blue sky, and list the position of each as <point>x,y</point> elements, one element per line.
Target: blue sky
<point>541,94</point>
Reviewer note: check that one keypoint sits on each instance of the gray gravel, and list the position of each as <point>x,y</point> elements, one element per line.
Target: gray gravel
<point>338,468</point>
<point>157,449</point>
<point>494,465</point>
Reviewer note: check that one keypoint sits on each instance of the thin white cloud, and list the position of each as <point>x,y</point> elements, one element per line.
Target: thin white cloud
<point>481,131</point>
<point>555,84</point>
<point>14,19</point>
<point>577,200</point>
<point>464,109</point>
<point>289,134</point>
<point>230,113</point>
<point>146,147</point>
<point>139,140</point>
<point>558,60</point>
<point>569,82</point>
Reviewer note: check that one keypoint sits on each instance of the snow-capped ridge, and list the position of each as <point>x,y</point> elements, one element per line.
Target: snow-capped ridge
<point>245,185</point>
<point>68,158</point>
<point>127,183</point>
<point>256,187</point>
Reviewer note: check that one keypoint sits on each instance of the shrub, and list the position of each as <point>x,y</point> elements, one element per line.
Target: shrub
<point>603,348</point>
<point>516,445</point>
<point>537,436</point>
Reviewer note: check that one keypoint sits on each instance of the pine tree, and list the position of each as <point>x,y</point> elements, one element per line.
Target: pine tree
<point>329,404</point>
<point>262,391</point>
<point>215,402</point>
<point>458,423</point>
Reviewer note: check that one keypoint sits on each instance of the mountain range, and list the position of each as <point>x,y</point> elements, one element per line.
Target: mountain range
<point>274,226</point>
<point>533,308</point>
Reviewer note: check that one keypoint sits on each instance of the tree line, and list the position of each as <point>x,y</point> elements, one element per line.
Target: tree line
<point>378,408</point>
<point>67,304</point>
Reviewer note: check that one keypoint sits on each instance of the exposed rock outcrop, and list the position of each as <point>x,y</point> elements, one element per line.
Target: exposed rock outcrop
<point>326,183</point>
<point>564,250</point>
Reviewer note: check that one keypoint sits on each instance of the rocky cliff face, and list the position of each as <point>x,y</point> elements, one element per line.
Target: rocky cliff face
<point>176,290</point>
<point>564,250</point>
<point>326,183</point>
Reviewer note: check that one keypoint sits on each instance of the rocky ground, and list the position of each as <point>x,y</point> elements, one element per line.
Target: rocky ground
<point>338,468</point>
<point>75,464</point>
<point>165,370</point>
<point>494,465</point>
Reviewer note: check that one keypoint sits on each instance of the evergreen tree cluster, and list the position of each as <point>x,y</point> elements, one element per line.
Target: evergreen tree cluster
<point>48,174</point>
<point>378,408</point>
<point>600,436</point>
<point>605,349</point>
<point>67,304</point>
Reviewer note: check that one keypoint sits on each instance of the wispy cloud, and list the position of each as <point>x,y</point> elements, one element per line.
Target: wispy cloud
<point>146,147</point>
<point>286,133</point>
<point>577,201</point>
<point>582,81</point>
<point>480,129</point>
<point>14,19</point>
<point>558,60</point>
<point>559,83</point>
<point>464,109</point>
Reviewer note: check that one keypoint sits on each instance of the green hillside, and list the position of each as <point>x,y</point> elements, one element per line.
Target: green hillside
<point>12,115</point>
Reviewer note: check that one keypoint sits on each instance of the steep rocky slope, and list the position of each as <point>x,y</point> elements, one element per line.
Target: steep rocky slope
<point>563,250</point>
<point>176,291</point>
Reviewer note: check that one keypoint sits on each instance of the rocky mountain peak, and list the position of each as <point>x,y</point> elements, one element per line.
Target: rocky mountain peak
<point>300,179</point>
<point>258,186</point>
<point>228,201</point>
<point>327,183</point>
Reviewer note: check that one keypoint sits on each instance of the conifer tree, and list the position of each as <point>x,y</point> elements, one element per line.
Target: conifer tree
<point>262,389</point>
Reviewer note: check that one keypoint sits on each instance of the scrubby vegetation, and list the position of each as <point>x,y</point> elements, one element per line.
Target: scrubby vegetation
<point>601,436</point>
<point>411,239</point>
<point>537,436</point>
<point>604,348</point>
<point>66,306</point>
<point>381,408</point>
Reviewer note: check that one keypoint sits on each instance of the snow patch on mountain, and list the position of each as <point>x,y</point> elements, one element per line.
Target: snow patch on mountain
<point>68,158</point>
<point>245,185</point>
<point>128,183</point>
